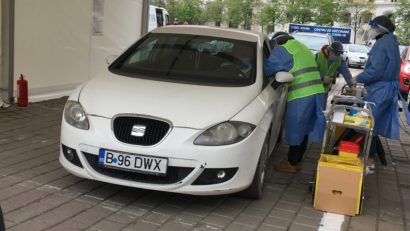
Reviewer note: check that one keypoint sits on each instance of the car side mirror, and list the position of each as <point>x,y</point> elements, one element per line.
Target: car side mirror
<point>110,59</point>
<point>282,77</point>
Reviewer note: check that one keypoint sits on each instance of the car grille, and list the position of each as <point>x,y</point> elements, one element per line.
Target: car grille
<point>153,131</point>
<point>174,174</point>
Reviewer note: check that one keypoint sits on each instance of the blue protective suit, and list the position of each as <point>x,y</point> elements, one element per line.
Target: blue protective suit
<point>381,80</point>
<point>303,116</point>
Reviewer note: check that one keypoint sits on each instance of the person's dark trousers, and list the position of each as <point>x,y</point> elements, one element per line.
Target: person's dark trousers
<point>296,152</point>
<point>373,147</point>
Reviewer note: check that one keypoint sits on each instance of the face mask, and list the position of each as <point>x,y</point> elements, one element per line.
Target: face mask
<point>332,57</point>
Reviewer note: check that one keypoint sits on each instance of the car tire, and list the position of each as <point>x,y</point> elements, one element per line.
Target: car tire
<point>255,190</point>
<point>404,95</point>
<point>2,227</point>
<point>408,101</point>
<point>347,62</point>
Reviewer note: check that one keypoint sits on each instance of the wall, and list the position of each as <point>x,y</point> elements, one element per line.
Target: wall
<point>55,47</point>
<point>1,53</point>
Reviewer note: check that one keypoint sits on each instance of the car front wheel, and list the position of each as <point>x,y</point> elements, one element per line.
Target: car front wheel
<point>408,100</point>
<point>255,190</point>
<point>347,62</point>
<point>2,227</point>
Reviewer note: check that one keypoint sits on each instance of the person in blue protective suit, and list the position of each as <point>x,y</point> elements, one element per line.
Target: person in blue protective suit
<point>304,119</point>
<point>381,80</point>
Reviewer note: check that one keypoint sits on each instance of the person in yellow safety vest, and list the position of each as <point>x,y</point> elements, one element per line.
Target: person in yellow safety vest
<point>330,62</point>
<point>304,118</point>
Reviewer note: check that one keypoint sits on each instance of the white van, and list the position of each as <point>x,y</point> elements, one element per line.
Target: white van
<point>158,17</point>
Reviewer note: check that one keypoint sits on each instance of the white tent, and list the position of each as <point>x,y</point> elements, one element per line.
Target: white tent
<point>59,44</point>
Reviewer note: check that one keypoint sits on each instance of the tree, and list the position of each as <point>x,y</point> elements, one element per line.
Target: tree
<point>160,3</point>
<point>171,6</point>
<point>402,16</point>
<point>189,11</point>
<point>214,12</point>
<point>247,13</point>
<point>270,15</point>
<point>299,11</point>
<point>233,12</point>
<point>327,11</point>
<point>357,10</point>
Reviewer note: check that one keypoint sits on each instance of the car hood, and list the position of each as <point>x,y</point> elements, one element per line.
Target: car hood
<point>185,105</point>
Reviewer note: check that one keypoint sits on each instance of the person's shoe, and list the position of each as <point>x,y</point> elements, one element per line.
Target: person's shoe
<point>285,166</point>
<point>299,166</point>
<point>371,166</point>
<point>370,169</point>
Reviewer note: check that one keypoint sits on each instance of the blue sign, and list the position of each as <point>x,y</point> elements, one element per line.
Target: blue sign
<point>339,34</point>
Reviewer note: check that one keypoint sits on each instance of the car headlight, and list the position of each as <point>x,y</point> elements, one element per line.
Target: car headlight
<point>225,133</point>
<point>75,115</point>
<point>407,69</point>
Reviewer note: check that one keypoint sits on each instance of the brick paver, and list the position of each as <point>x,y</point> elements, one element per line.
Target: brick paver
<point>37,194</point>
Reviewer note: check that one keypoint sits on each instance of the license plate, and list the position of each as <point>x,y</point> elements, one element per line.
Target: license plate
<point>131,162</point>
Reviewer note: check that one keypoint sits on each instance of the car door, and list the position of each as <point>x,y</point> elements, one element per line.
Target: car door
<point>278,103</point>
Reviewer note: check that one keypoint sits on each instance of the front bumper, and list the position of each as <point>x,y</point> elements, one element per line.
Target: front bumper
<point>357,61</point>
<point>178,147</point>
<point>404,83</point>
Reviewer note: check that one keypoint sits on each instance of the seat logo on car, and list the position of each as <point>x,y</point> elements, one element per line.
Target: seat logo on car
<point>138,130</point>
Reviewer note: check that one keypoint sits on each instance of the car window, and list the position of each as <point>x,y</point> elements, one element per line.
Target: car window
<point>408,55</point>
<point>314,43</point>
<point>404,54</point>
<point>401,48</point>
<point>358,48</point>
<point>167,20</point>
<point>190,58</point>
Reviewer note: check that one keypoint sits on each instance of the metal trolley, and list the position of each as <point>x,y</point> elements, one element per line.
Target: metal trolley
<point>337,130</point>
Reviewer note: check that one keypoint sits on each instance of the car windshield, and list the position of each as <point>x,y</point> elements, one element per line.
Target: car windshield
<point>359,49</point>
<point>401,48</point>
<point>312,42</point>
<point>190,58</point>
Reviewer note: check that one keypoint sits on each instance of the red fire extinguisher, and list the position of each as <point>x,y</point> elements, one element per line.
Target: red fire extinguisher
<point>22,92</point>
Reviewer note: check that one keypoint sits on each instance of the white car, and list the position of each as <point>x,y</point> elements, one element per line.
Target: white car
<point>355,55</point>
<point>314,41</point>
<point>185,109</point>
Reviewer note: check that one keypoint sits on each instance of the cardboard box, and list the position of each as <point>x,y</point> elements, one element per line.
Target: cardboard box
<point>338,185</point>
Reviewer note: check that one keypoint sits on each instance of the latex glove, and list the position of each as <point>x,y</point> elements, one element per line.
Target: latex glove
<point>327,80</point>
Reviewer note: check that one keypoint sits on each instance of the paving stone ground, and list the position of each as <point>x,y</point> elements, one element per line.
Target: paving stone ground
<point>36,193</point>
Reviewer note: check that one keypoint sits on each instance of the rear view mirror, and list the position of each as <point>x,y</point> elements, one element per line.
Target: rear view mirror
<point>110,58</point>
<point>283,77</point>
